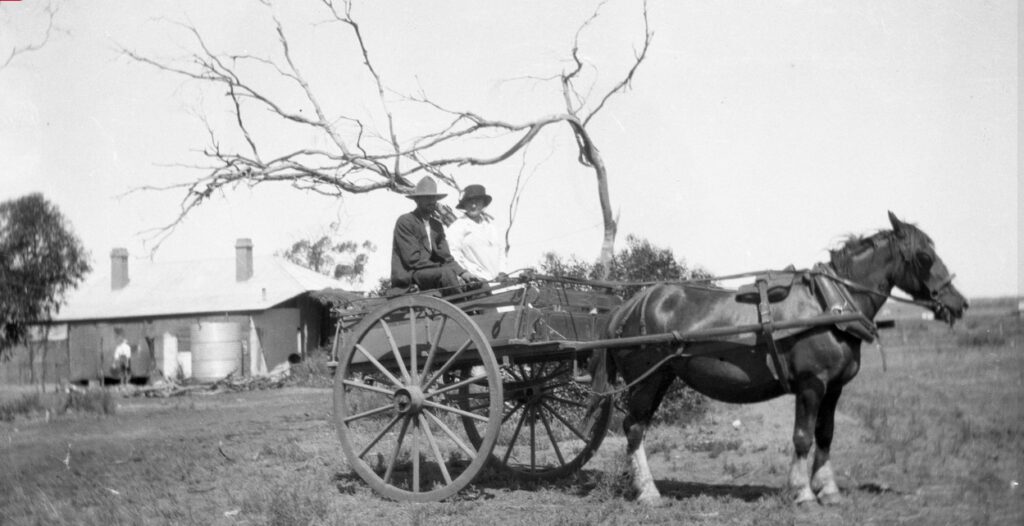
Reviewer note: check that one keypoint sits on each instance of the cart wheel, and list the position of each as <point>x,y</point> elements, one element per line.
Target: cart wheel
<point>545,432</point>
<point>397,423</point>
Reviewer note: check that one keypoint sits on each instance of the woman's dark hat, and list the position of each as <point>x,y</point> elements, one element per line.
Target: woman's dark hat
<point>425,188</point>
<point>471,191</point>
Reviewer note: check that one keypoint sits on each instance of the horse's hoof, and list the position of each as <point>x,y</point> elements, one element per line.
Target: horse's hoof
<point>804,498</point>
<point>830,499</point>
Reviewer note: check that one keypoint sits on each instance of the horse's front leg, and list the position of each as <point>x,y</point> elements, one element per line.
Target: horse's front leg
<point>809,392</point>
<point>644,399</point>
<point>823,481</point>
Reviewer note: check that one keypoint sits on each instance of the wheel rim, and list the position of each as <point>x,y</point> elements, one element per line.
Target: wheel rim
<point>545,430</point>
<point>396,412</point>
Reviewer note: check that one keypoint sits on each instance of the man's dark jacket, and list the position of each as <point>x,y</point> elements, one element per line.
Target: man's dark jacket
<point>410,250</point>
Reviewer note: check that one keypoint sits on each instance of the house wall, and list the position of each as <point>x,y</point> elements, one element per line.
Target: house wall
<point>50,365</point>
<point>294,327</point>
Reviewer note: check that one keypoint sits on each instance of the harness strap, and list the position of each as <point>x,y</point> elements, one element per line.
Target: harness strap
<point>764,313</point>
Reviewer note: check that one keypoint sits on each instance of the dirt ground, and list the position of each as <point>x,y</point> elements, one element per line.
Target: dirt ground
<point>272,457</point>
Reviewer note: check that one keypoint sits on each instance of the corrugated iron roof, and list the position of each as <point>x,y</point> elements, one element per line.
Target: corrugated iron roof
<point>188,287</point>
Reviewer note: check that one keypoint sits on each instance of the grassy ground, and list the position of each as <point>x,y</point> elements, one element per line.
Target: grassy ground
<point>937,439</point>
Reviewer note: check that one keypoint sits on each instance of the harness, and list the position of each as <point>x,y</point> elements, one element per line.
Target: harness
<point>769,287</point>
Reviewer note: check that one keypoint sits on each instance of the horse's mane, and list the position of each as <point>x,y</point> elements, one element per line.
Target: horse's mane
<point>906,245</point>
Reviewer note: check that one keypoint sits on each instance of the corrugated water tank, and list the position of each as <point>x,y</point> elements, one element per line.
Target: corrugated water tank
<point>216,350</point>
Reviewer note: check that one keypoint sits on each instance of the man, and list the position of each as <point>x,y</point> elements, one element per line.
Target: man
<point>419,250</point>
<point>474,240</point>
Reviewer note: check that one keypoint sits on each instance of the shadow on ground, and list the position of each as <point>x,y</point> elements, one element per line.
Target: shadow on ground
<point>679,490</point>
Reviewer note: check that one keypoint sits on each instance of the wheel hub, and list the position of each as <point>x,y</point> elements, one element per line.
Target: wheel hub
<point>409,400</point>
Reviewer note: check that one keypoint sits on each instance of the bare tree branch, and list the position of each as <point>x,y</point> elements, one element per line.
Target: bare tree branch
<point>350,164</point>
<point>51,15</point>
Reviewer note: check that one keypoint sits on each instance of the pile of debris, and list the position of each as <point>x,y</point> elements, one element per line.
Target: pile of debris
<point>233,383</point>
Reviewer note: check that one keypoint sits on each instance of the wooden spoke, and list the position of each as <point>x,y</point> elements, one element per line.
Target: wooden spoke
<point>383,370</point>
<point>415,456</point>
<point>455,410</point>
<point>522,372</point>
<point>533,438</point>
<point>448,364</point>
<point>425,427</point>
<point>368,387</point>
<point>451,435</point>
<point>515,435</point>
<point>509,414</point>
<point>434,341</point>
<point>512,372</point>
<point>566,401</point>
<point>380,436</point>
<point>371,412</point>
<point>395,351</point>
<point>456,385</point>
<point>551,437</point>
<point>398,449</point>
<point>412,342</point>
<point>565,422</point>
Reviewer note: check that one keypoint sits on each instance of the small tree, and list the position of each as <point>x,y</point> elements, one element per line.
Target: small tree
<point>640,261</point>
<point>40,259</point>
<point>324,255</point>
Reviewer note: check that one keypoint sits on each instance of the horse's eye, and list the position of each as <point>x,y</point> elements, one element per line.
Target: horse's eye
<point>924,260</point>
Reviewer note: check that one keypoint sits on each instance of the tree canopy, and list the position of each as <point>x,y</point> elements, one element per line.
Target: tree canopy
<point>328,257</point>
<point>41,258</point>
<point>639,261</point>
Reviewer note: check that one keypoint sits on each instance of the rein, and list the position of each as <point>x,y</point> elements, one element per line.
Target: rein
<point>930,304</point>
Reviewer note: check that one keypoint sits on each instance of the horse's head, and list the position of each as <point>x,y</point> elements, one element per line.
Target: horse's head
<point>922,274</point>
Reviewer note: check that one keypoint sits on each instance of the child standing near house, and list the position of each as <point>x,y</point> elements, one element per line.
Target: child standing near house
<point>123,361</point>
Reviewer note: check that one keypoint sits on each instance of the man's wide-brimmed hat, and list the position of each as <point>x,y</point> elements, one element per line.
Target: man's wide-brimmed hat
<point>426,188</point>
<point>472,191</point>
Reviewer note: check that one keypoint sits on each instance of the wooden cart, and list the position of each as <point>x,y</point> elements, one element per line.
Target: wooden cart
<point>429,391</point>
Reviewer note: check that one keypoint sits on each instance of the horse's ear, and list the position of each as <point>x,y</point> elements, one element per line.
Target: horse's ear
<point>897,225</point>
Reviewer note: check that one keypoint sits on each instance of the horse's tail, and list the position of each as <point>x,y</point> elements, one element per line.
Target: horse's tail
<point>602,372</point>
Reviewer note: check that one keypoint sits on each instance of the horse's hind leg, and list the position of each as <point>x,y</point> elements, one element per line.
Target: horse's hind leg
<point>823,481</point>
<point>809,393</point>
<point>644,399</point>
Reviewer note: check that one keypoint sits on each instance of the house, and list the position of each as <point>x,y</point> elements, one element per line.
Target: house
<point>208,317</point>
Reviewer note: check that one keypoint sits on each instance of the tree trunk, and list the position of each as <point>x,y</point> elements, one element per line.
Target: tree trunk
<point>591,156</point>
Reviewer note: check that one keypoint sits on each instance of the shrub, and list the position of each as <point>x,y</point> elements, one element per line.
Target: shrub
<point>26,406</point>
<point>97,401</point>
<point>981,338</point>
<point>680,406</point>
<point>313,371</point>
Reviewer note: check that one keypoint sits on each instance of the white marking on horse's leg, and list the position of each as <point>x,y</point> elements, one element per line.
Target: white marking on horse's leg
<point>800,480</point>
<point>643,482</point>
<point>824,484</point>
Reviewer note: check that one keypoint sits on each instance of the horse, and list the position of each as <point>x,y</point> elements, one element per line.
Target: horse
<point>813,363</point>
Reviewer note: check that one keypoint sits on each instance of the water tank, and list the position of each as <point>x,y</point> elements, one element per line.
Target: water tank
<point>216,350</point>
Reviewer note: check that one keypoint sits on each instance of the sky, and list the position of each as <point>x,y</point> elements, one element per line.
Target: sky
<point>754,135</point>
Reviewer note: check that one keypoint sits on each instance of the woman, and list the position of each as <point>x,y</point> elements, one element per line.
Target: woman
<point>473,238</point>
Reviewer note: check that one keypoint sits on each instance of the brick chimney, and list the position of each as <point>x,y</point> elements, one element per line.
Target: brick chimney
<point>118,268</point>
<point>243,259</point>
